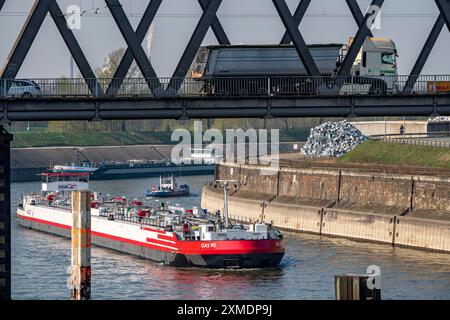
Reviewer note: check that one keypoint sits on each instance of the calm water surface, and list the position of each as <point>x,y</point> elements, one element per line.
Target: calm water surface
<point>40,263</point>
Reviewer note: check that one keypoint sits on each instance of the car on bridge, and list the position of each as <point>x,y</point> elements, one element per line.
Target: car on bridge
<point>24,88</point>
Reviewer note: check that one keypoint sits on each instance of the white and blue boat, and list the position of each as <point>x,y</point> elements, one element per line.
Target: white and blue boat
<point>168,187</point>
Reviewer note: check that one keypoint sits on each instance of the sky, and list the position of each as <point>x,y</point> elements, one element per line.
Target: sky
<point>407,22</point>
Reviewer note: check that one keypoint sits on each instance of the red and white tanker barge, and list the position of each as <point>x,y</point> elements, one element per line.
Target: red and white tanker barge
<point>173,236</point>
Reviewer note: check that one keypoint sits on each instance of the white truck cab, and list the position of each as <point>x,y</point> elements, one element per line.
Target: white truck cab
<point>377,59</point>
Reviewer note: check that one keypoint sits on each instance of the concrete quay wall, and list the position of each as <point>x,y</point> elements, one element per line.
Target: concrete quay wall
<point>375,227</point>
<point>405,191</point>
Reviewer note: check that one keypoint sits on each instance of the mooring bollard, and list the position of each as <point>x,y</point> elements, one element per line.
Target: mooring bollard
<point>357,287</point>
<point>81,245</point>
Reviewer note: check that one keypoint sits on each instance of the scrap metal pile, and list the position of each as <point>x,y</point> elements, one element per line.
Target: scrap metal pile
<point>332,140</point>
<point>439,119</point>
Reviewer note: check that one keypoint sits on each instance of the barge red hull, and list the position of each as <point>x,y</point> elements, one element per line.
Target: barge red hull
<point>166,248</point>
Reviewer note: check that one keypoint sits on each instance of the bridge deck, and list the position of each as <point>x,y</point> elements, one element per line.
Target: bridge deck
<point>283,97</point>
<point>91,108</point>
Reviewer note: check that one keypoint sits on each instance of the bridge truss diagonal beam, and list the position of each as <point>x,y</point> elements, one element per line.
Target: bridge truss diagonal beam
<point>424,54</point>
<point>25,39</point>
<point>133,43</point>
<point>206,20</point>
<point>75,49</point>
<point>2,2</point>
<point>297,39</point>
<point>428,46</point>
<point>358,41</point>
<point>357,13</point>
<point>444,8</point>
<point>298,17</point>
<point>127,59</point>
<point>28,34</point>
<point>216,26</point>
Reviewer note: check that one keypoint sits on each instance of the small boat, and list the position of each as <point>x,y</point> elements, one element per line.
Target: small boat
<point>168,187</point>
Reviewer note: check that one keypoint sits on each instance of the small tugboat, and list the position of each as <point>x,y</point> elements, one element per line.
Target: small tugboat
<point>170,235</point>
<point>168,187</point>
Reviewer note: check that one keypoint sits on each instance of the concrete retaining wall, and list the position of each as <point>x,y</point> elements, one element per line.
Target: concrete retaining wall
<point>285,216</point>
<point>431,194</point>
<point>422,233</point>
<point>350,224</point>
<point>370,128</point>
<point>367,188</point>
<point>351,186</point>
<point>293,217</point>
<point>307,183</point>
<point>395,230</point>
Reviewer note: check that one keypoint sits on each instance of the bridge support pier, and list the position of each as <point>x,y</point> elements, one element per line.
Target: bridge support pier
<point>5,215</point>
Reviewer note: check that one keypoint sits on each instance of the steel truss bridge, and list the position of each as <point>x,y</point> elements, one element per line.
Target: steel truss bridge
<point>178,97</point>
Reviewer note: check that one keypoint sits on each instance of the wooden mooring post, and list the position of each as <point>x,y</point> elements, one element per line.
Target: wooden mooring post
<point>356,287</point>
<point>81,245</point>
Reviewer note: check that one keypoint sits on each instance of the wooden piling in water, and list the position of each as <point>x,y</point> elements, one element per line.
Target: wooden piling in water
<point>81,245</point>
<point>356,287</point>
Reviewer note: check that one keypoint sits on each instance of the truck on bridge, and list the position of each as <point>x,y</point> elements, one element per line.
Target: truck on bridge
<point>262,69</point>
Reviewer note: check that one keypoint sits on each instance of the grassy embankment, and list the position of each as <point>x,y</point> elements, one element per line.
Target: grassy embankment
<point>50,139</point>
<point>382,153</point>
<point>24,139</point>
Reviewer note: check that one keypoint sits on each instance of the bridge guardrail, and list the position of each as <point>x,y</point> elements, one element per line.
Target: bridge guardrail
<point>419,142</point>
<point>435,134</point>
<point>224,86</point>
<point>417,139</point>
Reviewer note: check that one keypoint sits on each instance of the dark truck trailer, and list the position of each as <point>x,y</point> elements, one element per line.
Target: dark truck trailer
<point>258,69</point>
